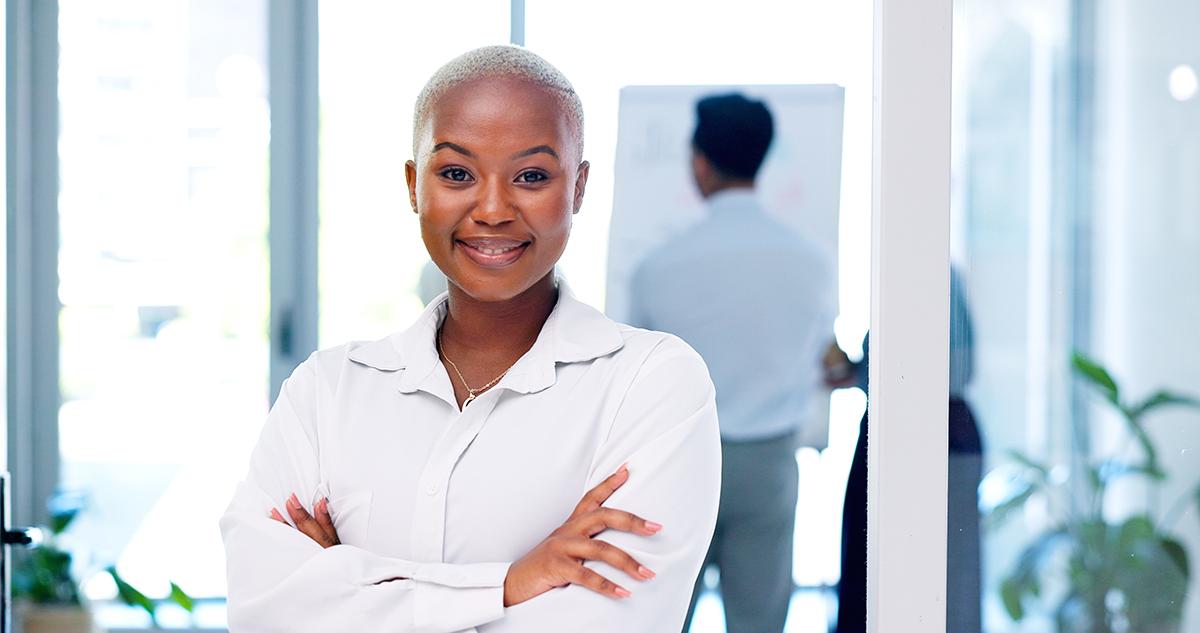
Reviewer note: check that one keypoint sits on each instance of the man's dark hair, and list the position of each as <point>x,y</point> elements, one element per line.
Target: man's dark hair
<point>733,133</point>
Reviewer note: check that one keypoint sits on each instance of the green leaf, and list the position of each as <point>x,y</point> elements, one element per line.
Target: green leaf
<point>131,596</point>
<point>43,575</point>
<point>1010,592</point>
<point>1162,399</point>
<point>59,521</point>
<point>1135,529</point>
<point>1025,576</point>
<point>1143,439</point>
<point>1178,555</point>
<point>1098,376</point>
<point>179,597</point>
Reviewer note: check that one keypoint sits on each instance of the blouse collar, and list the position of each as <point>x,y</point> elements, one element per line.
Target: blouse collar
<point>574,332</point>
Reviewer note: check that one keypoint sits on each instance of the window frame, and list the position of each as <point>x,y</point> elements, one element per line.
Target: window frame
<point>907,455</point>
<point>32,374</point>
<point>292,53</point>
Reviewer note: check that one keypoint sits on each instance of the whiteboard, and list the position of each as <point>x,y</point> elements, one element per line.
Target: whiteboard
<point>654,196</point>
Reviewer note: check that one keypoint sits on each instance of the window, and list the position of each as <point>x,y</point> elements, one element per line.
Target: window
<point>163,267</point>
<point>371,254</point>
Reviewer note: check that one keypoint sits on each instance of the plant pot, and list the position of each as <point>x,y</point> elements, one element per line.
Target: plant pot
<point>35,618</point>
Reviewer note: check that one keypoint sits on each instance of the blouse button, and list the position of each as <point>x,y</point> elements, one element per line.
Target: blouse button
<point>431,490</point>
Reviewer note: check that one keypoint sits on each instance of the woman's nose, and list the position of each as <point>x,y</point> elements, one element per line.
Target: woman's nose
<point>495,205</point>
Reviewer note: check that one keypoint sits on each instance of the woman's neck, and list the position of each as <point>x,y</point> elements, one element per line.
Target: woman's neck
<point>499,327</point>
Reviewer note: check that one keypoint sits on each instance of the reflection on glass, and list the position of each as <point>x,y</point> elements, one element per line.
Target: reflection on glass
<point>1076,224</point>
<point>163,266</point>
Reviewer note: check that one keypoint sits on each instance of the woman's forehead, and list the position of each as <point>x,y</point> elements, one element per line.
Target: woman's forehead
<point>501,110</point>
<point>497,98</point>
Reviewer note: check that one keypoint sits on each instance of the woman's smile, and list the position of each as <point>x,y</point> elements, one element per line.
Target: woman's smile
<point>492,251</point>
<point>496,187</point>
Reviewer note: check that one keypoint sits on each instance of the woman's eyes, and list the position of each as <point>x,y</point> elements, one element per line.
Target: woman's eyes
<point>456,174</point>
<point>531,176</point>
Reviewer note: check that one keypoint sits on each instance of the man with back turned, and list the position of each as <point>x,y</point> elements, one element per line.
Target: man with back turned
<point>750,295</point>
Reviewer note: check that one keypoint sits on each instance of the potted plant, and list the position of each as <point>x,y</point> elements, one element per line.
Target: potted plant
<point>45,590</point>
<point>1112,574</point>
<point>43,587</point>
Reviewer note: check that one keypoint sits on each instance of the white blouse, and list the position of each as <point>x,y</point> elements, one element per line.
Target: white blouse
<point>447,500</point>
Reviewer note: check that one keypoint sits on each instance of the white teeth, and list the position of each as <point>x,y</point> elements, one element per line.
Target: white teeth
<point>496,251</point>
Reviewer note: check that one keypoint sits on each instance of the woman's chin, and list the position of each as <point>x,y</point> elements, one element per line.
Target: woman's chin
<point>493,288</point>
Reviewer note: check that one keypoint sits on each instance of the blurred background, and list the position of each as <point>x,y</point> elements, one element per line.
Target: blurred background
<point>230,196</point>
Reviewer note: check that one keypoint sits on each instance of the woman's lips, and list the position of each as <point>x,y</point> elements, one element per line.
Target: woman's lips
<point>493,252</point>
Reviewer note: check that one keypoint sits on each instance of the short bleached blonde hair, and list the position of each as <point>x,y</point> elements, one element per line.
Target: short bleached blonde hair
<point>500,61</point>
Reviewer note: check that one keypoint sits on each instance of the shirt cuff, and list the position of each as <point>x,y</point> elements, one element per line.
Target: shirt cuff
<point>456,597</point>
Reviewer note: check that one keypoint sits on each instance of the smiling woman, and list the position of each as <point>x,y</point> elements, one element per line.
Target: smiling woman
<point>516,173</point>
<point>519,486</point>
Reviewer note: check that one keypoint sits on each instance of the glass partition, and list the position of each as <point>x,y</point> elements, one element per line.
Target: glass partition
<point>1076,228</point>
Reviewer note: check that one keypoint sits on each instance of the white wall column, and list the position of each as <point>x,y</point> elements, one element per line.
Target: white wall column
<point>910,314</point>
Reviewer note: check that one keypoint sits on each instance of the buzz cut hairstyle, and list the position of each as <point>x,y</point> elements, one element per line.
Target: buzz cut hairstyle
<point>506,61</point>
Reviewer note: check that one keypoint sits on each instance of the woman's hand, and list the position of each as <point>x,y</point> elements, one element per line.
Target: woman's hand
<point>319,528</point>
<point>558,560</point>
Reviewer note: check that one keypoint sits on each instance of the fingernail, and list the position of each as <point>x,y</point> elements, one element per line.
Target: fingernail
<point>293,501</point>
<point>325,504</point>
<point>645,573</point>
<point>653,527</point>
<point>622,592</point>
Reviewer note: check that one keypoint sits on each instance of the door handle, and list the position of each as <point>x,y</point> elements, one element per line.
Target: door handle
<point>22,537</point>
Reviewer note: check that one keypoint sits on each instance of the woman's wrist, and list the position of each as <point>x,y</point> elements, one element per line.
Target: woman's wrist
<point>510,593</point>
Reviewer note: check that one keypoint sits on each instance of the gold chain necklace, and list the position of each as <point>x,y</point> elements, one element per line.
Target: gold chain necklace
<point>471,393</point>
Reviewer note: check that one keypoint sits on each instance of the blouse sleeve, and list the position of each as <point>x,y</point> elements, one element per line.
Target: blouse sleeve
<point>666,431</point>
<point>281,580</point>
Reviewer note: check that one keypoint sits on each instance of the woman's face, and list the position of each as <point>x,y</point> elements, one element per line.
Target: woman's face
<point>496,181</point>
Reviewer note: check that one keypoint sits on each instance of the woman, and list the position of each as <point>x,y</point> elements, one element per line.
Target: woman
<point>514,461</point>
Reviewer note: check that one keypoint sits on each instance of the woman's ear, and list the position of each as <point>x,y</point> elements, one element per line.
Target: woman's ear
<point>580,184</point>
<point>410,175</point>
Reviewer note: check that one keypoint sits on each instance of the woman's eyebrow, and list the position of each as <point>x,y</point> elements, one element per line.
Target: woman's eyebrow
<point>458,148</point>
<point>540,149</point>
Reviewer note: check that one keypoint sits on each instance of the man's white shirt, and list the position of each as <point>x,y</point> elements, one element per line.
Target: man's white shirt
<point>753,297</point>
<point>432,504</point>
